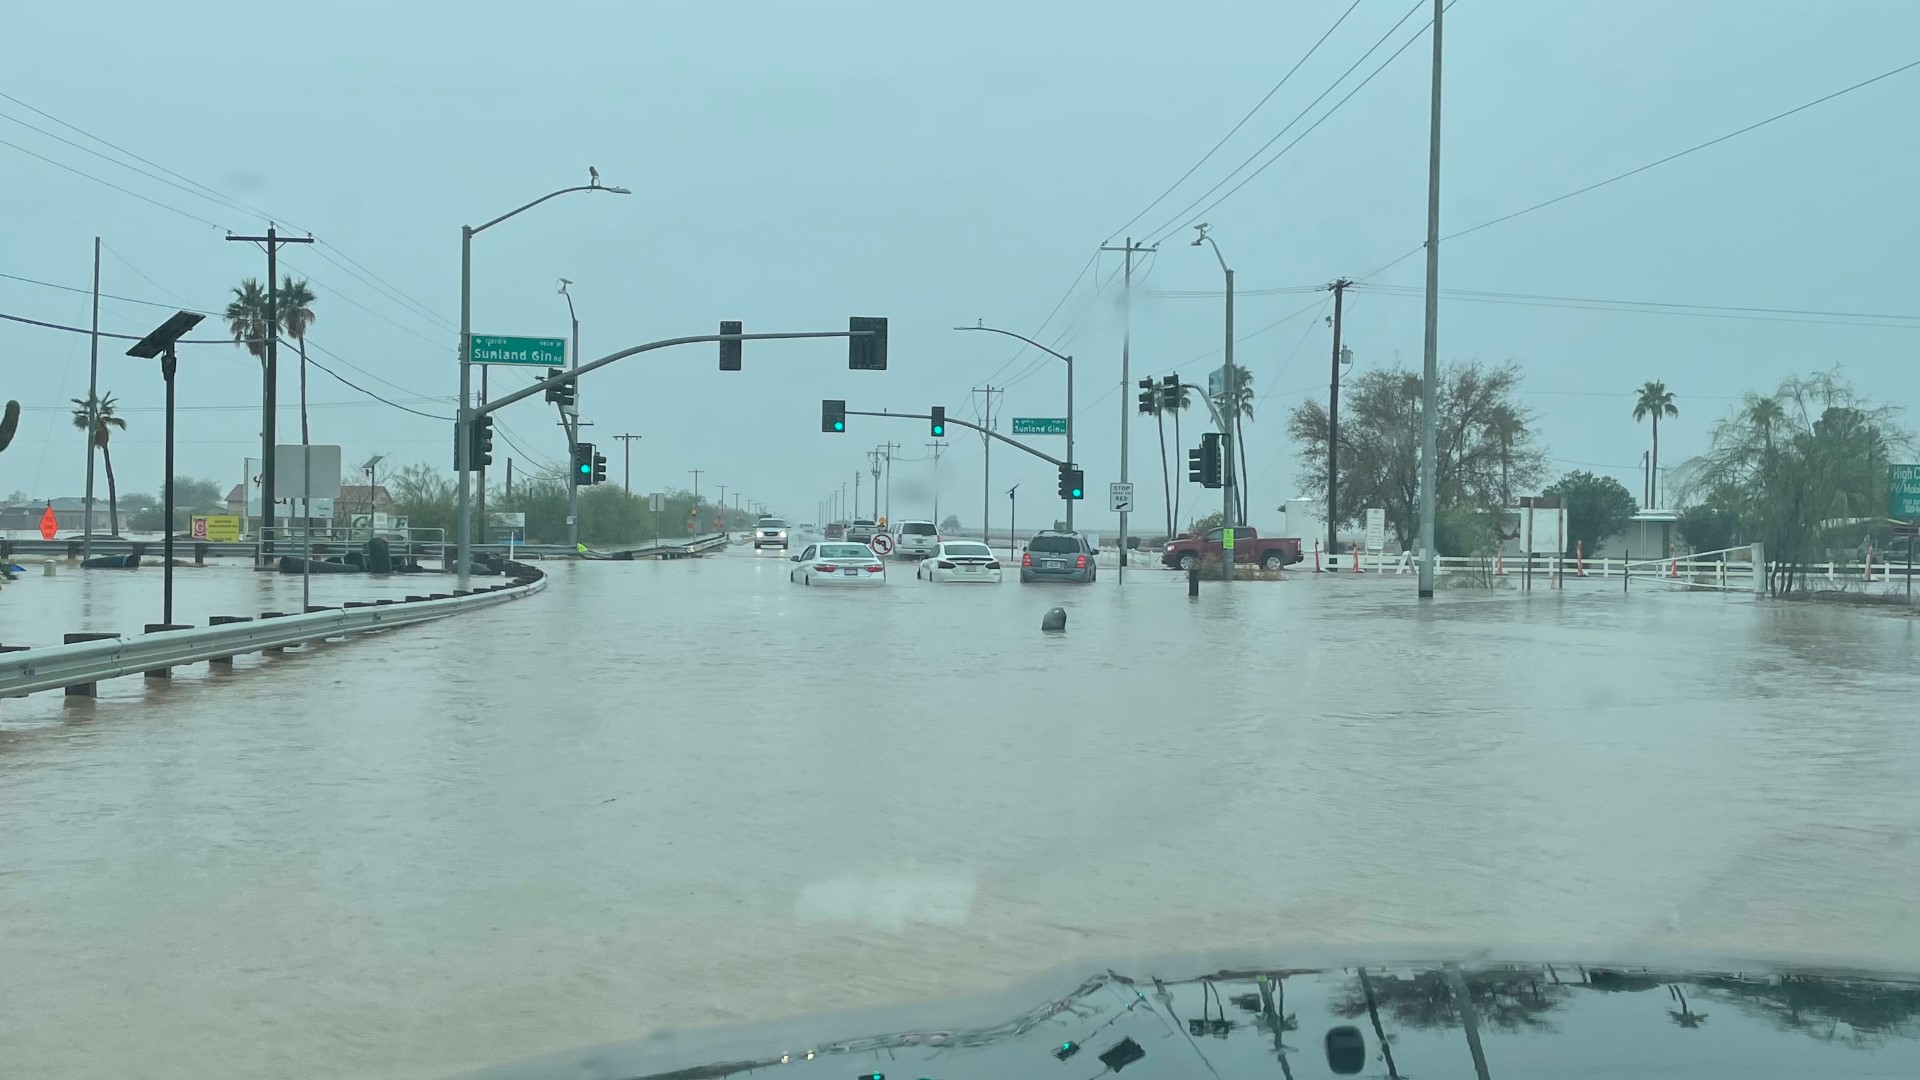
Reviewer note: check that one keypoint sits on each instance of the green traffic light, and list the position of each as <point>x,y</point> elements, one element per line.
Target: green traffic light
<point>1077,493</point>
<point>839,425</point>
<point>939,430</point>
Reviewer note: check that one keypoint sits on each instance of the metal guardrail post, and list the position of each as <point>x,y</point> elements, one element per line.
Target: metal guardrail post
<point>161,628</point>
<point>225,620</point>
<point>88,689</point>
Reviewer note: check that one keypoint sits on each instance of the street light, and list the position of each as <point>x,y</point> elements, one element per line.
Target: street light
<point>160,343</point>
<point>1068,360</point>
<point>570,421</point>
<point>1228,414</point>
<point>372,506</point>
<point>464,529</point>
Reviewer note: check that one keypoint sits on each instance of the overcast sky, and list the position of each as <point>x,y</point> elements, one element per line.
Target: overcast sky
<point>796,163</point>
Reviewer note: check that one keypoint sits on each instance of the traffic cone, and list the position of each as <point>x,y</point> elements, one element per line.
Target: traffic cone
<point>1356,558</point>
<point>1317,568</point>
<point>1499,563</point>
<point>1579,558</point>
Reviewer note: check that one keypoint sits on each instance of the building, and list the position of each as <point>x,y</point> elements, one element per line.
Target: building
<point>1650,534</point>
<point>70,513</point>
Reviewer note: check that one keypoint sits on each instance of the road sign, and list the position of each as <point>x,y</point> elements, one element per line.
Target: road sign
<point>1226,539</point>
<point>1039,425</point>
<point>1376,528</point>
<point>217,528</point>
<point>49,524</point>
<point>1903,492</point>
<point>657,501</point>
<point>522,351</point>
<point>1120,497</point>
<point>882,544</point>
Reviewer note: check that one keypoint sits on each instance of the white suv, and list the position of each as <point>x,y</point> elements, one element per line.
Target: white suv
<point>914,539</point>
<point>770,532</point>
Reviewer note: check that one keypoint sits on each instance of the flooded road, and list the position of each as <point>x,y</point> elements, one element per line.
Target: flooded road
<point>686,793</point>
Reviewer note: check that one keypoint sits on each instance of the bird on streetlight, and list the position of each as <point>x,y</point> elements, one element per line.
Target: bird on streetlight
<point>593,176</point>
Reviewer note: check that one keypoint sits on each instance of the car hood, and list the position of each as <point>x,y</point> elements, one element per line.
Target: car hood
<point>1477,1015</point>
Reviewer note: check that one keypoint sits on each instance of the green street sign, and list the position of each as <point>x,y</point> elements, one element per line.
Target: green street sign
<point>1039,425</point>
<point>523,351</point>
<point>1226,539</point>
<point>1903,492</point>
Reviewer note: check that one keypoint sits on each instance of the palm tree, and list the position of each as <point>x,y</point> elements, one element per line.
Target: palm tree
<point>95,416</point>
<point>1180,404</point>
<point>295,310</point>
<point>1655,400</point>
<point>1765,414</point>
<point>1505,425</point>
<point>1242,410</point>
<point>246,316</point>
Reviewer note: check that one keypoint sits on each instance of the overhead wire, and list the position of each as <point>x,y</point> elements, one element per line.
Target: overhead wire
<point>114,186</point>
<point>1862,84</point>
<point>1324,117</point>
<point>1208,156</point>
<point>1177,221</point>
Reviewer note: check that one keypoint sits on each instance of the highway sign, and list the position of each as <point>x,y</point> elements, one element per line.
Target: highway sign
<point>1120,497</point>
<point>522,351</point>
<point>1903,492</point>
<point>1376,528</point>
<point>882,543</point>
<point>1039,425</point>
<point>657,501</point>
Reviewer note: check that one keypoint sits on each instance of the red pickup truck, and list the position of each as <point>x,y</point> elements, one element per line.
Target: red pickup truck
<point>1249,548</point>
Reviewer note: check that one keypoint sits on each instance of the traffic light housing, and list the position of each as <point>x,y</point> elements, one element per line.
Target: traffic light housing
<point>1073,483</point>
<point>1149,399</point>
<point>599,468</point>
<point>833,417</point>
<point>1203,465</point>
<point>1170,393</point>
<point>939,425</point>
<point>730,350</point>
<point>867,349</point>
<point>480,451</point>
<point>582,464</point>
<point>564,395</point>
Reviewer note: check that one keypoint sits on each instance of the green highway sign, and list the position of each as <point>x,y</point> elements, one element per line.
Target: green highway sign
<point>1903,492</point>
<point>525,351</point>
<point>1039,425</point>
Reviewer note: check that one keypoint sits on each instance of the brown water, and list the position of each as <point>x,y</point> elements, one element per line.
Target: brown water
<point>681,793</point>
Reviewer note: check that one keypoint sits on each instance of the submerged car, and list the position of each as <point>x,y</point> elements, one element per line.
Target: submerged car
<point>960,560</point>
<point>837,564</point>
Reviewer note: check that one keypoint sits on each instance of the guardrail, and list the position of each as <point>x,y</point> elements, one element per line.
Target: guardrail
<point>90,658</point>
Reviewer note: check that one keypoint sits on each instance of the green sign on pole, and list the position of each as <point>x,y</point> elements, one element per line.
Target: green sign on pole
<point>1226,539</point>
<point>1903,492</point>
<point>1039,425</point>
<point>523,351</point>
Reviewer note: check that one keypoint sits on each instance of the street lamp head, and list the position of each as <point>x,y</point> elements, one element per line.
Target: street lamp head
<point>163,336</point>
<point>1202,238</point>
<point>563,285</point>
<point>618,190</point>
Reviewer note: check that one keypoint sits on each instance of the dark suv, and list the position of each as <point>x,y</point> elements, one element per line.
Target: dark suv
<point>1058,556</point>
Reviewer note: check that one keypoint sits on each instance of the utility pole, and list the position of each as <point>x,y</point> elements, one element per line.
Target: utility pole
<point>856,494</point>
<point>93,391</point>
<point>723,500</point>
<point>270,389</point>
<point>1126,378</point>
<point>569,420</point>
<point>874,456</point>
<point>936,446</point>
<point>1430,365</point>
<point>986,463</point>
<point>1339,288</point>
<point>627,441</point>
<point>696,490</point>
<point>890,447</point>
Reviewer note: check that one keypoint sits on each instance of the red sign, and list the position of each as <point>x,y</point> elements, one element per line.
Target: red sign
<point>882,544</point>
<point>48,523</point>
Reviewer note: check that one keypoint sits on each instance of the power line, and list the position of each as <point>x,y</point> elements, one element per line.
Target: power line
<point>105,334</point>
<point>406,304</point>
<point>1384,64</point>
<point>103,296</point>
<point>385,401</point>
<point>349,299</point>
<point>217,194</point>
<point>1077,279</point>
<point>1204,158</point>
<point>222,202</point>
<point>1662,161</point>
<point>1649,307</point>
<point>148,278</point>
<point>114,186</point>
<point>1172,223</point>
<point>395,290</point>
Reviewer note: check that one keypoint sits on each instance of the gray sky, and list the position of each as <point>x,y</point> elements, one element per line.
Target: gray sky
<point>797,163</point>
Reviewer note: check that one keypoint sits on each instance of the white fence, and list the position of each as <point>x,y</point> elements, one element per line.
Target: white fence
<point>85,663</point>
<point>1729,569</point>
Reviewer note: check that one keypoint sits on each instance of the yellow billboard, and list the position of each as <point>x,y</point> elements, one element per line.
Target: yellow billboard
<point>217,528</point>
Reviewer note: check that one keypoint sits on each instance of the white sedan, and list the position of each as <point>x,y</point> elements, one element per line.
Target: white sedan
<point>960,560</point>
<point>837,564</point>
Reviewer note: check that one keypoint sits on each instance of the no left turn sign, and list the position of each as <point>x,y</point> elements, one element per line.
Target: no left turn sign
<point>882,544</point>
